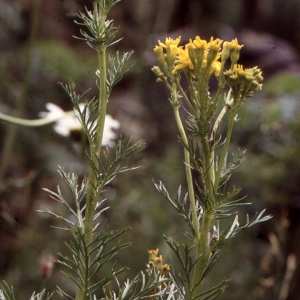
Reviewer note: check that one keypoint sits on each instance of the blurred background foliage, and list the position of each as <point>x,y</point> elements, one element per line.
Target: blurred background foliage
<point>260,260</point>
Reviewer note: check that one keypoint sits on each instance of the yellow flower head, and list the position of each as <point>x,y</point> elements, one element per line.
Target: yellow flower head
<point>166,52</point>
<point>158,260</point>
<point>214,50</point>
<point>235,76</point>
<point>216,67</point>
<point>198,54</point>
<point>239,69</point>
<point>243,81</point>
<point>231,49</point>
<point>183,60</point>
<point>198,43</point>
<point>159,264</point>
<point>166,269</point>
<point>152,255</point>
<point>158,50</point>
<point>170,42</point>
<point>214,45</point>
<point>233,45</point>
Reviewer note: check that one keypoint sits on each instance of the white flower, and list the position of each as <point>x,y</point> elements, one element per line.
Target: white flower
<point>108,134</point>
<point>69,123</point>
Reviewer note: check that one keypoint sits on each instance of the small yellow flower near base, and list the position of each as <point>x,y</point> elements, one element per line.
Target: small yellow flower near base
<point>152,255</point>
<point>157,262</point>
<point>165,269</point>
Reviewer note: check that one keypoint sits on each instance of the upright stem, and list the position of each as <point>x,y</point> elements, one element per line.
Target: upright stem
<point>208,176</point>
<point>224,150</point>
<point>188,172</point>
<point>202,249</point>
<point>211,182</point>
<point>95,148</point>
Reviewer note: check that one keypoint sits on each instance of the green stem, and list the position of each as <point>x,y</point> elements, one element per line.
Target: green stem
<point>189,178</point>
<point>224,150</point>
<point>208,171</point>
<point>36,122</point>
<point>95,147</point>
<point>102,107</point>
<point>221,85</point>
<point>183,94</point>
<point>202,249</point>
<point>208,177</point>
<point>219,91</point>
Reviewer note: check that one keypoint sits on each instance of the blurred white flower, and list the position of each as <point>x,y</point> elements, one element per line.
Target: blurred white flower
<point>108,133</point>
<point>68,124</point>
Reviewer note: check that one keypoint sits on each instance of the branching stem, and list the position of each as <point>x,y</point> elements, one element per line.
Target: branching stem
<point>187,161</point>
<point>224,150</point>
<point>208,176</point>
<point>95,148</point>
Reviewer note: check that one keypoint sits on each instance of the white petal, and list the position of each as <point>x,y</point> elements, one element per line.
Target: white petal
<point>112,123</point>
<point>54,111</point>
<point>108,134</point>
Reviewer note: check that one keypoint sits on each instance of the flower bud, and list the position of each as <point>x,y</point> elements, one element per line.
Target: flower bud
<point>214,49</point>
<point>158,50</point>
<point>152,255</point>
<point>231,49</point>
<point>46,265</point>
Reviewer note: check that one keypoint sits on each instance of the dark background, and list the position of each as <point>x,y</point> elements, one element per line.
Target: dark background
<point>256,261</point>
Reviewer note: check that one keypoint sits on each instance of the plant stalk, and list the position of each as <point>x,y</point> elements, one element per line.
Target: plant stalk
<point>224,150</point>
<point>95,148</point>
<point>208,177</point>
<point>189,177</point>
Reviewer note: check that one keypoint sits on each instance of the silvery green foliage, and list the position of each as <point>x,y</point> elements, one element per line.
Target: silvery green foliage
<point>144,285</point>
<point>207,201</point>
<point>92,245</point>
<point>222,209</point>
<point>86,260</point>
<point>98,35</point>
<point>7,293</point>
<point>116,70</point>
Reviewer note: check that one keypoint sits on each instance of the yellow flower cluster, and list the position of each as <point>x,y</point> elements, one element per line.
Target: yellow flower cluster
<point>196,56</point>
<point>244,81</point>
<point>199,54</point>
<point>157,262</point>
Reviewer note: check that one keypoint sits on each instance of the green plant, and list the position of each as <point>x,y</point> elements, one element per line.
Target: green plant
<point>92,245</point>
<point>205,153</point>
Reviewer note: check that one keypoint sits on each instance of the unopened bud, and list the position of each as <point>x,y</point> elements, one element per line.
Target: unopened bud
<point>46,265</point>
<point>152,255</point>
